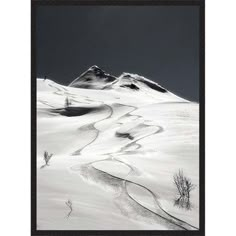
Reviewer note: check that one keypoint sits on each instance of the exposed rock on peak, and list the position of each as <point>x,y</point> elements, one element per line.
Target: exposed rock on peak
<point>96,78</point>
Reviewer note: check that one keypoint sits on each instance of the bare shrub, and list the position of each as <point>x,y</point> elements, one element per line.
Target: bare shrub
<point>46,158</point>
<point>69,204</point>
<point>183,184</point>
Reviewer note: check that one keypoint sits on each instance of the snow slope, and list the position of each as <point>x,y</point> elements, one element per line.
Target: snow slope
<point>115,150</point>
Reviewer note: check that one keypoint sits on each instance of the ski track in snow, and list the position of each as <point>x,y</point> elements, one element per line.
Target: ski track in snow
<point>164,217</point>
<point>92,127</point>
<point>161,217</point>
<point>121,185</point>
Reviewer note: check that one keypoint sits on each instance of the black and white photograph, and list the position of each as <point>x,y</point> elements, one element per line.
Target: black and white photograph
<point>118,117</point>
<point>118,103</point>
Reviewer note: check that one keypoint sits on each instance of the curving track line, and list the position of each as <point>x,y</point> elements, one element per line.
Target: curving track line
<point>92,127</point>
<point>164,216</point>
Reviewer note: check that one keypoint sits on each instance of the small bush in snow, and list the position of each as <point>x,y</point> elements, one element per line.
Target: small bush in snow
<point>183,184</point>
<point>46,158</point>
<point>69,204</point>
<point>184,187</point>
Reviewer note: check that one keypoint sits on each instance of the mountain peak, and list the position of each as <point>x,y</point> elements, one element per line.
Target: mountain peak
<point>93,78</point>
<point>96,78</point>
<point>94,67</point>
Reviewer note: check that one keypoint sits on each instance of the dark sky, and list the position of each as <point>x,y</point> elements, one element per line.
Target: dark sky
<point>158,42</point>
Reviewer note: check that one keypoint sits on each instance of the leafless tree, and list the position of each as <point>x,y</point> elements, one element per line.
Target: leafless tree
<point>46,158</point>
<point>69,204</point>
<point>183,184</point>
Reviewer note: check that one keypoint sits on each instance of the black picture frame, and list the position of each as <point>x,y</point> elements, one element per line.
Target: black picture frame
<point>34,5</point>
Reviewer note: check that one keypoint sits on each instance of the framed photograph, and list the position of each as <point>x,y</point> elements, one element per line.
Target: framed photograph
<point>118,103</point>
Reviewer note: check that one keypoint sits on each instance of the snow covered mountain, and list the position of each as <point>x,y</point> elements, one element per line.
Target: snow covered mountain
<point>116,144</point>
<point>96,78</point>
